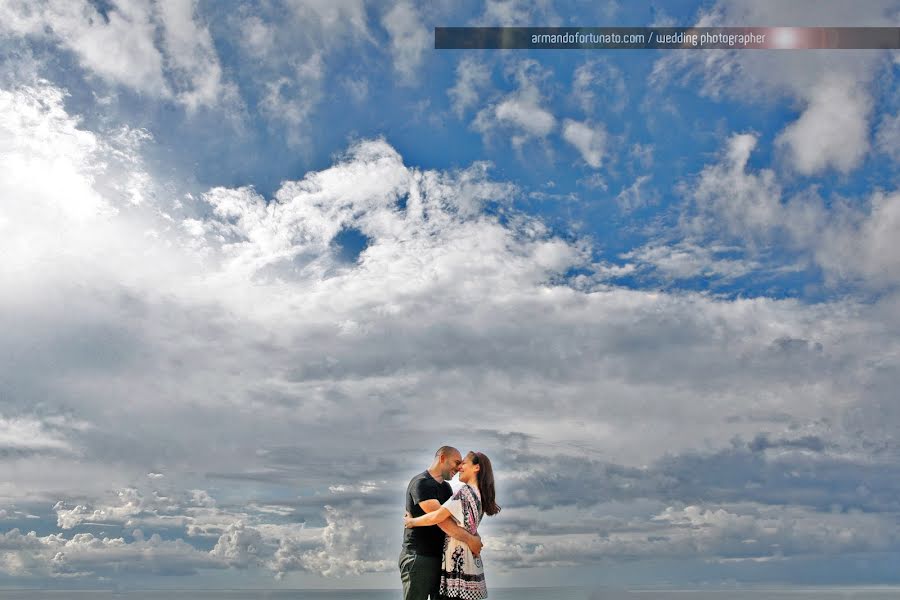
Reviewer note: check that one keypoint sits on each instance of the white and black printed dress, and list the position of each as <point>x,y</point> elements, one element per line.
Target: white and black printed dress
<point>462,574</point>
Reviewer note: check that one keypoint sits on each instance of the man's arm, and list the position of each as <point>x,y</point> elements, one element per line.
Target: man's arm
<point>450,527</point>
<point>429,518</point>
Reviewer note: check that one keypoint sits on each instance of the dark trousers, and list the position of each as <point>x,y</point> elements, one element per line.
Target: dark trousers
<point>421,576</point>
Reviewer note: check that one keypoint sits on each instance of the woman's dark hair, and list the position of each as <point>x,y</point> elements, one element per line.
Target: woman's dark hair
<point>485,482</point>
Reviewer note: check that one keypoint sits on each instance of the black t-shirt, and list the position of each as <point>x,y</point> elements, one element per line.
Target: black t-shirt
<point>428,541</point>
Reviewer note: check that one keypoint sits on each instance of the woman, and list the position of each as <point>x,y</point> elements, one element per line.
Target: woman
<point>462,574</point>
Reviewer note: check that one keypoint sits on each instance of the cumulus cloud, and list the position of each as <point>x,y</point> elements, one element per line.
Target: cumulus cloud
<point>409,39</point>
<point>686,259</point>
<point>636,195</point>
<point>833,129</point>
<point>520,112</point>
<point>472,77</point>
<point>589,139</point>
<point>194,63</point>
<point>731,203</point>
<point>290,100</point>
<point>887,134</point>
<point>120,45</point>
<point>287,54</point>
<point>347,550</point>
<point>512,13</point>
<point>239,546</point>
<point>744,201</point>
<point>243,540</point>
<point>85,554</point>
<point>721,534</point>
<point>598,83</point>
<point>30,434</point>
<point>333,22</point>
<point>832,89</point>
<point>770,498</point>
<point>256,36</point>
<point>222,338</point>
<point>131,507</point>
<point>93,179</point>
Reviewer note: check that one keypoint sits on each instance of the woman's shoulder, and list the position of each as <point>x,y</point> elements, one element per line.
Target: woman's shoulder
<point>466,490</point>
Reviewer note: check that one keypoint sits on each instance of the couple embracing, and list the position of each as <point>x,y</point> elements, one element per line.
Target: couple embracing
<point>441,546</point>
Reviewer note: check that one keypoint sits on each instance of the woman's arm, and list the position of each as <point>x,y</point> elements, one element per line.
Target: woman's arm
<point>450,527</point>
<point>431,518</point>
<point>455,531</point>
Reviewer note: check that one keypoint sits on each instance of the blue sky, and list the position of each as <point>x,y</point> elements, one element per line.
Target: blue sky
<point>260,259</point>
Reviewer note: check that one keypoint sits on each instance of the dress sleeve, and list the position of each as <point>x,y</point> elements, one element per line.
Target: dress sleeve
<point>454,505</point>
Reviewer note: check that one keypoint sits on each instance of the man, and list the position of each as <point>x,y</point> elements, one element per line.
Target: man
<point>420,559</point>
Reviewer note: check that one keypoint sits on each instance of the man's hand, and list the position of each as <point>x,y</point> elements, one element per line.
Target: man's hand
<point>475,545</point>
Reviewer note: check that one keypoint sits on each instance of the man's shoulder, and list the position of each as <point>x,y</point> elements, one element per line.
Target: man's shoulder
<point>421,479</point>
<point>419,476</point>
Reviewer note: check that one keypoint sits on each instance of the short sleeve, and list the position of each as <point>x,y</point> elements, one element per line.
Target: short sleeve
<point>422,491</point>
<point>454,505</point>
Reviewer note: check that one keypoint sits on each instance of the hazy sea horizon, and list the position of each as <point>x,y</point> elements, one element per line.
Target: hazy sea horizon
<point>531,593</point>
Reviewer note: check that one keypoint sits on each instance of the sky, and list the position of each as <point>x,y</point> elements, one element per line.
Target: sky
<point>258,260</point>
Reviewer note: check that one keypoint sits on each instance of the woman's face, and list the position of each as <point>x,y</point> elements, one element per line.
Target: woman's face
<point>467,471</point>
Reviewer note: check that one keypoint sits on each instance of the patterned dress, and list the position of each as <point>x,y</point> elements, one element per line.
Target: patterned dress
<point>462,574</point>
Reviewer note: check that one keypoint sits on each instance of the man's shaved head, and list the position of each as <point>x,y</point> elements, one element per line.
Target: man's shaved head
<point>445,450</point>
<point>446,461</point>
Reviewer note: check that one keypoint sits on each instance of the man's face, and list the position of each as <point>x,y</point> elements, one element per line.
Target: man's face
<point>450,465</point>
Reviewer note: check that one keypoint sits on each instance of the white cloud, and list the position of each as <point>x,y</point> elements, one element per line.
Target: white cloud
<point>343,546</point>
<point>409,39</point>
<point>833,88</point>
<point>525,114</point>
<point>239,546</point>
<point>747,531</point>
<point>588,138</point>
<point>290,101</point>
<point>192,57</point>
<point>288,55</point>
<point>858,243</point>
<point>159,50</point>
<point>688,260</point>
<point>833,129</point>
<point>594,182</point>
<point>347,550</point>
<point>357,87</point>
<point>598,81</point>
<point>742,202</point>
<point>636,195</point>
<point>256,36</point>
<point>118,47</point>
<point>520,111</point>
<point>130,504</point>
<point>218,339</point>
<point>95,179</point>
<point>643,154</point>
<point>731,203</point>
<point>19,434</point>
<point>85,554</point>
<point>888,136</point>
<point>472,78</point>
<point>332,23</point>
<point>521,13</point>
